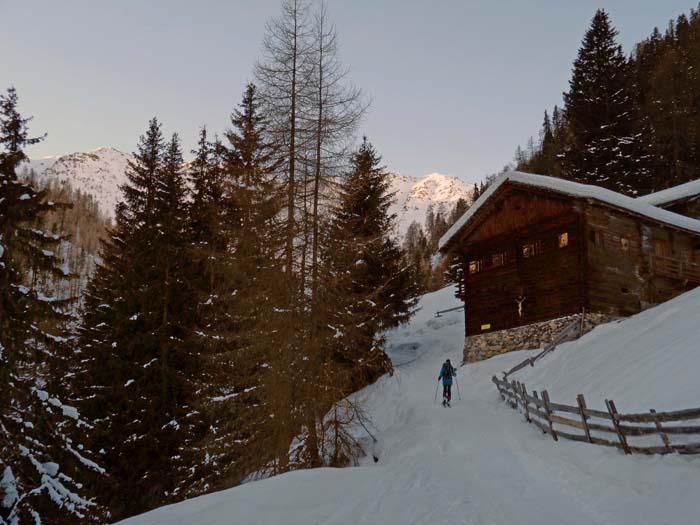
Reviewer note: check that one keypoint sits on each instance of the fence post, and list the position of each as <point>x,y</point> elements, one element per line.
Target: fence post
<point>663,435</point>
<point>548,411</point>
<point>523,393</point>
<point>515,391</point>
<point>584,419</point>
<point>498,386</point>
<point>534,394</point>
<point>613,414</point>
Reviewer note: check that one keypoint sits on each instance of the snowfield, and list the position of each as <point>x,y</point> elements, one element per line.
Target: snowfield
<point>478,462</point>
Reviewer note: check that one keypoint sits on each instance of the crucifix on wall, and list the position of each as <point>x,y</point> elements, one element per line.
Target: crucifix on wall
<point>520,300</point>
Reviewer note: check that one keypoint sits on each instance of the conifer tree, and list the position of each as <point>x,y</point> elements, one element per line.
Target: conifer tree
<point>240,314</point>
<point>603,147</point>
<point>44,472</point>
<point>137,321</point>
<point>368,267</point>
<point>365,288</point>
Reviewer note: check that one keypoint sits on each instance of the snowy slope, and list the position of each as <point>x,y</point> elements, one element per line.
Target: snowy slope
<point>651,360</point>
<point>477,462</point>
<point>100,173</point>
<point>413,195</point>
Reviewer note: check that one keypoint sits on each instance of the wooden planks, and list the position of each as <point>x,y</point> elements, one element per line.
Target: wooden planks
<point>557,420</point>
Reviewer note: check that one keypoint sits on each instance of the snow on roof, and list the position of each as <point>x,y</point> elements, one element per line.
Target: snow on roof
<point>573,189</point>
<point>682,191</point>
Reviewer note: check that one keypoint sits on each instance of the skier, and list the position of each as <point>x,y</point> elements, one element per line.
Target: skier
<point>447,372</point>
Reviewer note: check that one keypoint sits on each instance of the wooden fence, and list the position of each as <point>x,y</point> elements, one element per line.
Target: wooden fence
<point>642,433</point>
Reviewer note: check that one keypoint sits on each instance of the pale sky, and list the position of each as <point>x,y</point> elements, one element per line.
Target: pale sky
<point>455,85</point>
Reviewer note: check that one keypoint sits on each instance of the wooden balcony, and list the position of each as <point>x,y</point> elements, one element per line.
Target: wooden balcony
<point>675,269</point>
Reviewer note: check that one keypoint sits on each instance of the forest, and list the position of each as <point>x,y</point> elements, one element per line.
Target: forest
<point>211,334</point>
<point>628,123</point>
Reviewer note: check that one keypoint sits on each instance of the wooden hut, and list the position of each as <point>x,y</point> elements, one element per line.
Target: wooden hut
<point>534,249</point>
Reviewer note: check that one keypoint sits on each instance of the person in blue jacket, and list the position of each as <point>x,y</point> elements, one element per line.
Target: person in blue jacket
<point>447,372</point>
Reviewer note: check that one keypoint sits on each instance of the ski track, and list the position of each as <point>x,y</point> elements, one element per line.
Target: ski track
<point>474,463</point>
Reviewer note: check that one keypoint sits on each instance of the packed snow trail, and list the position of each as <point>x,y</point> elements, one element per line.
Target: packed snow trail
<point>473,463</point>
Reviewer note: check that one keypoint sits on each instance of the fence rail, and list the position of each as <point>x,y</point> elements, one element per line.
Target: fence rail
<point>640,433</point>
<point>573,330</point>
<point>440,312</point>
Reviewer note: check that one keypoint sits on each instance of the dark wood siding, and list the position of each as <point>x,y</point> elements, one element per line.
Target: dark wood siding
<point>620,251</point>
<point>548,276</point>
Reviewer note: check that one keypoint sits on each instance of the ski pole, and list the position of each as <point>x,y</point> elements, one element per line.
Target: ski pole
<point>436,389</point>
<point>458,392</point>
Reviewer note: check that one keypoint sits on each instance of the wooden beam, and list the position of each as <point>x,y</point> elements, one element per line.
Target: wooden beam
<point>582,406</point>
<point>613,414</point>
<point>664,437</point>
<point>545,399</point>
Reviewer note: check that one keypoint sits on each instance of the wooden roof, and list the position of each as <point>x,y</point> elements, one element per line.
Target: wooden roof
<point>672,195</point>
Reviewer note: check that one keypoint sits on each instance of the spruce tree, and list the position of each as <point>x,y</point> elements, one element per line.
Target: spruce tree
<point>603,147</point>
<point>137,321</point>
<point>367,267</point>
<point>236,218</point>
<point>44,473</point>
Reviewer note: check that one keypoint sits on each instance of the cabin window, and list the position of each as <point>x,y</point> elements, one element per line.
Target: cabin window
<point>624,244</point>
<point>563,240</point>
<point>531,249</point>
<point>498,259</point>
<point>685,255</point>
<point>474,266</point>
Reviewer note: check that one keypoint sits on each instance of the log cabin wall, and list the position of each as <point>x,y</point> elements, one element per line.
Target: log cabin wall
<point>617,278</point>
<point>527,250</point>
<point>620,275</point>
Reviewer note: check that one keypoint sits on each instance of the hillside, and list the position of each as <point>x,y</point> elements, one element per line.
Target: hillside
<point>477,462</point>
<point>101,173</point>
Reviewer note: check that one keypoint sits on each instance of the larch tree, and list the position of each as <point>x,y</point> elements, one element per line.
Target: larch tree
<point>335,109</point>
<point>284,77</point>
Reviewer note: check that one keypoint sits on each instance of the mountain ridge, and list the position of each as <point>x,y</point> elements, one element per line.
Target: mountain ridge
<point>101,173</point>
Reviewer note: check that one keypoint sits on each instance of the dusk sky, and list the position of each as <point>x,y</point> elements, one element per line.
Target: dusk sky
<point>455,85</point>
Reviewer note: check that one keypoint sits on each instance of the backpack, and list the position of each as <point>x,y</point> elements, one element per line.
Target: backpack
<point>446,371</point>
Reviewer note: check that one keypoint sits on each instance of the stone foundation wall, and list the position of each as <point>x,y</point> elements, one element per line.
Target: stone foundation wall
<point>537,335</point>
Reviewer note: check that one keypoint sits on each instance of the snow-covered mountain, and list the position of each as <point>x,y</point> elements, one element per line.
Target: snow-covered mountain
<point>415,194</point>
<point>101,173</point>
